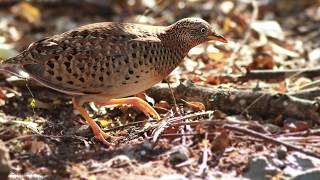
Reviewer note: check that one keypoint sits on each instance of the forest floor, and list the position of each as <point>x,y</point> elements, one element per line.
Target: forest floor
<point>246,109</point>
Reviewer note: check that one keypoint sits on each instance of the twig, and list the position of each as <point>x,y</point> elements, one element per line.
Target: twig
<point>309,132</point>
<point>127,125</point>
<point>270,139</point>
<point>45,136</point>
<point>176,108</point>
<point>280,75</point>
<point>206,152</point>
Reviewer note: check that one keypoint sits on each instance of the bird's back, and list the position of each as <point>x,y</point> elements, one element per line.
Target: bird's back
<point>104,58</point>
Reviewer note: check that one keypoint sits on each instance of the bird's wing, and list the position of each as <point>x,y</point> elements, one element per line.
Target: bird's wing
<point>75,51</point>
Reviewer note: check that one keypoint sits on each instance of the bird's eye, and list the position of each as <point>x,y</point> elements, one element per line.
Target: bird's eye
<point>203,30</point>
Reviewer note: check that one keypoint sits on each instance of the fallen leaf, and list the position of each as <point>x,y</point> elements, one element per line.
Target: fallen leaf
<point>296,126</point>
<point>261,60</point>
<point>38,147</point>
<point>163,104</point>
<point>268,28</point>
<point>219,79</point>
<point>221,141</point>
<point>196,106</point>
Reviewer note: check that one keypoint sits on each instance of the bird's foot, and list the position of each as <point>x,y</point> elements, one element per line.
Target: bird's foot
<point>134,101</point>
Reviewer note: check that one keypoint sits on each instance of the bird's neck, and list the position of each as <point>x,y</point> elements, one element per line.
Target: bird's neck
<point>170,39</point>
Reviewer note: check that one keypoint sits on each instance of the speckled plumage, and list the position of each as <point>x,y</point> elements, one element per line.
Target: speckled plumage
<point>109,59</point>
<point>103,61</point>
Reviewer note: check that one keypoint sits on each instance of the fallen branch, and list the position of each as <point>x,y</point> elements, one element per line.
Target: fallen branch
<point>271,140</point>
<point>236,101</point>
<point>280,75</point>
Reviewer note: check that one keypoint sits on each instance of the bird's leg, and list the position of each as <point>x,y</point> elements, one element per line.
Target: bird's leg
<point>98,133</point>
<point>135,101</point>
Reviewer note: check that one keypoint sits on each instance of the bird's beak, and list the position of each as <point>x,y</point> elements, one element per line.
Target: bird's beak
<point>217,37</point>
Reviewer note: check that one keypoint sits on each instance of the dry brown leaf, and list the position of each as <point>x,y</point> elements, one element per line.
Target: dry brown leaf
<point>221,141</point>
<point>219,79</point>
<point>296,126</point>
<point>38,147</point>
<point>196,106</point>
<point>163,104</point>
<point>261,60</point>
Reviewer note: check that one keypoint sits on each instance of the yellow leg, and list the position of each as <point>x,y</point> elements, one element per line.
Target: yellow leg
<point>98,133</point>
<point>135,101</point>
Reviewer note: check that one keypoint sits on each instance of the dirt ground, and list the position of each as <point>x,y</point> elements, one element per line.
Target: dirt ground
<point>220,128</point>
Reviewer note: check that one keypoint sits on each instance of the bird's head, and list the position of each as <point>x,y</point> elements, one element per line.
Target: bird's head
<point>193,31</point>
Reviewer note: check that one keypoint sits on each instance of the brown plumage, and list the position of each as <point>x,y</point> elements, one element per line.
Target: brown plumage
<point>102,61</point>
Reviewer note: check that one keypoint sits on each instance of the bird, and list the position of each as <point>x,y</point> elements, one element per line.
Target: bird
<point>107,62</point>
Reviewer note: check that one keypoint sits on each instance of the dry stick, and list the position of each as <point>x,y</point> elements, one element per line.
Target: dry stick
<point>176,108</point>
<point>206,152</point>
<point>280,74</point>
<point>157,133</point>
<point>270,139</point>
<point>43,136</point>
<point>128,125</point>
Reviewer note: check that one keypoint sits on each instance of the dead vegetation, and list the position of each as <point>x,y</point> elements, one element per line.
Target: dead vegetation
<point>246,109</point>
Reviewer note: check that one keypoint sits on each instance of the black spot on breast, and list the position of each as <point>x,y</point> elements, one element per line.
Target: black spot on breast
<point>127,77</point>
<point>134,45</point>
<point>104,36</point>
<point>69,57</point>
<point>108,73</point>
<point>134,55</point>
<point>50,64</point>
<point>107,64</point>
<point>51,72</point>
<point>56,57</point>
<point>126,60</point>
<point>74,33</point>
<point>67,64</point>
<point>81,79</point>
<point>59,78</point>
<point>152,51</point>
<point>130,71</point>
<point>70,82</point>
<point>69,70</point>
<point>95,67</point>
<point>85,33</point>
<point>124,83</point>
<point>140,62</point>
<point>145,56</point>
<point>136,81</point>
<point>95,34</point>
<point>101,78</point>
<point>137,76</point>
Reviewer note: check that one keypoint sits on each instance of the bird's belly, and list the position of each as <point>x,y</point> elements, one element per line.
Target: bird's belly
<point>131,88</point>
